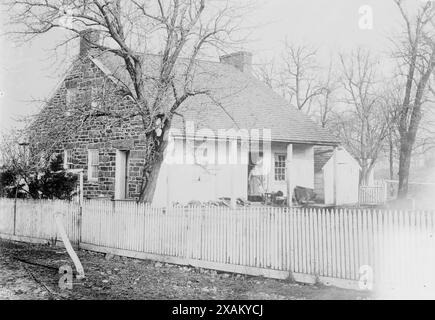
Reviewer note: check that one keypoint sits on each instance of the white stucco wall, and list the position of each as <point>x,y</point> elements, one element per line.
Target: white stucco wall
<point>303,167</point>
<point>303,157</point>
<point>186,182</point>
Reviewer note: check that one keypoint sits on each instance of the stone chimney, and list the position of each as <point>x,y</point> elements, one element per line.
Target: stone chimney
<point>88,38</point>
<point>242,60</point>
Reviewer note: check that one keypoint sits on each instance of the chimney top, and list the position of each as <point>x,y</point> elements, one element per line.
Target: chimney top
<point>88,38</point>
<point>242,60</point>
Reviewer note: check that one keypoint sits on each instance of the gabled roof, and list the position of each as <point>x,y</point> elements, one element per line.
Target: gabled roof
<point>237,100</point>
<point>323,155</point>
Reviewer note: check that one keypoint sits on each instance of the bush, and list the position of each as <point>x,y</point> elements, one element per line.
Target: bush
<point>53,183</point>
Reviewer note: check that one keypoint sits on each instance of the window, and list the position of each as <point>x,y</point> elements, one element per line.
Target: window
<point>280,167</point>
<point>67,159</point>
<point>93,160</point>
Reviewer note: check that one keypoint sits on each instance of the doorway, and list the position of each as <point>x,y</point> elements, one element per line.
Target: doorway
<point>256,179</point>
<point>121,174</point>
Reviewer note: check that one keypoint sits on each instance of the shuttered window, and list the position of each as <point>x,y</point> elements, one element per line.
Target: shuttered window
<point>67,159</point>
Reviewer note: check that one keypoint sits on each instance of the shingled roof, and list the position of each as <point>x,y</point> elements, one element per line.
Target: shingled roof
<point>237,100</point>
<point>321,157</point>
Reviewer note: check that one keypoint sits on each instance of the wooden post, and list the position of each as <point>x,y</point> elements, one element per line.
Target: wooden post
<point>289,164</point>
<point>81,187</point>
<point>69,248</point>
<point>15,210</point>
<point>168,191</point>
<point>80,222</point>
<point>233,161</point>
<point>334,158</point>
<point>233,188</point>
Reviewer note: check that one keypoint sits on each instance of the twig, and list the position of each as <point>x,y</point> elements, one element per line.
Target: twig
<point>36,264</point>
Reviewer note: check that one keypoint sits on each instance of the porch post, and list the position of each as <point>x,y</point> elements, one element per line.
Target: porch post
<point>233,162</point>
<point>289,165</point>
<point>168,184</point>
<point>334,190</point>
<point>233,201</point>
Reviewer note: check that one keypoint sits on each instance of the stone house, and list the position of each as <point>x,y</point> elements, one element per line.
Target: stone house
<point>110,151</point>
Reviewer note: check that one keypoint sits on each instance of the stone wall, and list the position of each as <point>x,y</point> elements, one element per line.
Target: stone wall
<point>84,124</point>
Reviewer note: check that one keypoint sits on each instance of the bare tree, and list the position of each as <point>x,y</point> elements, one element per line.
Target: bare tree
<point>391,97</point>
<point>326,101</point>
<point>176,29</point>
<point>363,126</point>
<point>14,154</point>
<point>416,56</point>
<point>267,72</point>
<point>299,77</point>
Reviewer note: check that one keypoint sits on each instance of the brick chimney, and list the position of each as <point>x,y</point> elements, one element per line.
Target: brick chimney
<point>242,60</point>
<point>88,37</point>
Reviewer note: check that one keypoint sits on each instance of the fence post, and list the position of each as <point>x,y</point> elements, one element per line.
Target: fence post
<point>15,215</point>
<point>79,224</point>
<point>288,178</point>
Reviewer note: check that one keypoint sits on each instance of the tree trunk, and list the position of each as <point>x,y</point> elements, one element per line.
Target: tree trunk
<point>407,140</point>
<point>363,175</point>
<point>404,166</point>
<point>391,159</point>
<point>365,171</point>
<point>147,192</point>
<point>364,160</point>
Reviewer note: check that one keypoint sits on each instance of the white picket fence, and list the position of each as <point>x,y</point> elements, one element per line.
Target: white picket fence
<point>34,219</point>
<point>338,247</point>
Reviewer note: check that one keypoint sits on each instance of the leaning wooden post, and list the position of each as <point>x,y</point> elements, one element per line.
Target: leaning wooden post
<point>289,164</point>
<point>69,248</point>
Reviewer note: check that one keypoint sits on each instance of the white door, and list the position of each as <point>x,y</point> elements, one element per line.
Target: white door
<point>121,174</point>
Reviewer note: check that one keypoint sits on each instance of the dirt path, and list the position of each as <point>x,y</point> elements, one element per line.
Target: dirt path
<point>124,278</point>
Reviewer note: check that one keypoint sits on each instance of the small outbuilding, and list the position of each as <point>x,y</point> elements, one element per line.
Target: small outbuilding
<point>346,178</point>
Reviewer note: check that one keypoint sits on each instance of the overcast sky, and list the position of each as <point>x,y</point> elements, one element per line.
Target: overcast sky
<point>27,72</point>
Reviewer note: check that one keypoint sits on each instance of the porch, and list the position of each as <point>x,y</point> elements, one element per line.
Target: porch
<point>278,172</point>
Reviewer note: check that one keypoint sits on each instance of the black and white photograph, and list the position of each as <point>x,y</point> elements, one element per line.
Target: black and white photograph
<point>217,150</point>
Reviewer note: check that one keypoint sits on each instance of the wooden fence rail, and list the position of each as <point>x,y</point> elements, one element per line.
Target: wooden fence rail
<point>338,247</point>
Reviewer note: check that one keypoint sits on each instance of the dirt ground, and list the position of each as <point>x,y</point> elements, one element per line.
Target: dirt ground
<point>31,272</point>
